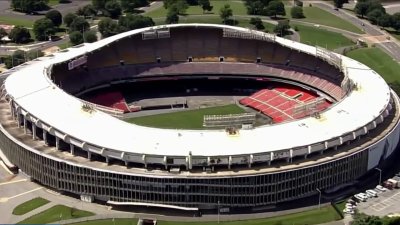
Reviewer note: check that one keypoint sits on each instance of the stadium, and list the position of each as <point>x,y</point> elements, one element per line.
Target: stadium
<point>328,120</point>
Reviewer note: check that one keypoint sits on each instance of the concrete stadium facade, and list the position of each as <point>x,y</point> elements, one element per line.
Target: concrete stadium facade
<point>67,162</point>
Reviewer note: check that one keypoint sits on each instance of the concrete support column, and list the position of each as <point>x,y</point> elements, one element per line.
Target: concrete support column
<point>335,147</point>
<point>269,163</point>
<point>25,125</point>
<point>57,143</point>
<point>305,156</point>
<point>34,131</point>
<point>107,160</point>
<point>19,120</point>
<point>126,163</point>
<point>89,155</point>
<point>72,149</point>
<point>45,137</point>
<point>288,160</point>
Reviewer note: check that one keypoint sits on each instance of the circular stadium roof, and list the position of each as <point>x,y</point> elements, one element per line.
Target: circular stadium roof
<point>32,89</point>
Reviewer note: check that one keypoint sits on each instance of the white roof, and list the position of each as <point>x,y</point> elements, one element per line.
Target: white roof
<point>35,93</point>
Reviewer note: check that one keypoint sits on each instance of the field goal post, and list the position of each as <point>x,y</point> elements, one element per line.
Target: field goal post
<point>230,121</point>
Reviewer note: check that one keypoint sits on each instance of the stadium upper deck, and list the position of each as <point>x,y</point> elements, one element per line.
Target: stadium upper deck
<point>36,96</point>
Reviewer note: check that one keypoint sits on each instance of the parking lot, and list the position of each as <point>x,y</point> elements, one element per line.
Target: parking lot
<point>386,203</point>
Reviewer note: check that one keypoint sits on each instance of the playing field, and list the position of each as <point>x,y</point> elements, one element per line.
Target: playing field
<point>190,119</point>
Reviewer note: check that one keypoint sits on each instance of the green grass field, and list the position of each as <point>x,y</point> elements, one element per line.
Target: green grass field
<point>317,36</point>
<point>379,61</point>
<point>316,216</point>
<point>237,7</point>
<point>191,119</point>
<point>320,16</point>
<point>16,21</point>
<point>29,206</point>
<point>56,213</point>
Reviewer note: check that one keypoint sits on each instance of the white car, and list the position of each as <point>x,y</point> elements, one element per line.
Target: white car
<point>360,197</point>
<point>372,193</point>
<point>348,211</point>
<point>350,206</point>
<point>381,188</point>
<point>363,195</point>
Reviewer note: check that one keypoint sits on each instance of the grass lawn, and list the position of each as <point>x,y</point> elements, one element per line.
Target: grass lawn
<point>395,34</point>
<point>16,21</point>
<point>316,216</point>
<point>29,206</point>
<point>320,16</point>
<point>379,61</point>
<point>317,36</point>
<point>191,119</point>
<point>237,7</point>
<point>53,2</point>
<point>56,213</point>
<point>212,19</point>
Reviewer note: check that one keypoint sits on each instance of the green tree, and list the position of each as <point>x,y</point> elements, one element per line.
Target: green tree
<point>17,58</point>
<point>396,21</point>
<point>339,3</point>
<point>375,5</point>
<point>29,6</point>
<point>87,11</point>
<point>362,219</point>
<point>133,21</point>
<point>297,12</point>
<point>3,33</point>
<point>257,23</point>
<point>90,36</point>
<point>76,38</point>
<point>385,20</point>
<point>113,8</point>
<point>43,28</point>
<point>256,7</point>
<point>276,8</point>
<point>206,5</point>
<point>55,17</point>
<point>19,34</point>
<point>99,4</point>
<point>180,5</point>
<point>225,13</point>
<point>130,5</point>
<point>282,28</point>
<point>374,15</point>
<point>69,18</point>
<point>79,24</point>
<point>108,27</point>
<point>361,8</point>
<point>172,16</point>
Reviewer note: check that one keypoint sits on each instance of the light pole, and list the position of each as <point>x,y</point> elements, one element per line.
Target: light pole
<point>380,175</point>
<point>218,211</point>
<point>319,198</point>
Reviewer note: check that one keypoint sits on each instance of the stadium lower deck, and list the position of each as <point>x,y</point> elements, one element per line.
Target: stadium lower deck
<point>278,101</point>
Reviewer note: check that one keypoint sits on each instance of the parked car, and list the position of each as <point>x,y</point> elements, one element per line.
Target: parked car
<point>364,195</point>
<point>372,193</point>
<point>362,198</point>
<point>348,211</point>
<point>355,199</point>
<point>351,201</point>
<point>381,188</point>
<point>350,206</point>
<point>388,185</point>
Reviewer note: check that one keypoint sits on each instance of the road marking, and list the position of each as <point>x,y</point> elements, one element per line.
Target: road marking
<point>5,167</point>
<point>14,181</point>
<point>6,199</point>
